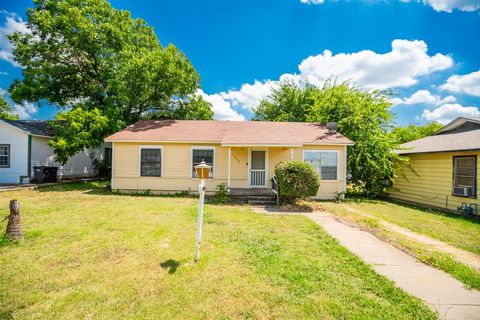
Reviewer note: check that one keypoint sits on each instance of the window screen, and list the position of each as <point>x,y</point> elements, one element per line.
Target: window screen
<point>464,173</point>
<point>151,163</point>
<point>202,154</point>
<point>258,160</point>
<point>4,155</point>
<point>324,162</point>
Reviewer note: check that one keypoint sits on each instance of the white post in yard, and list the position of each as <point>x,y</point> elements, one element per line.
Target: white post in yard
<point>201,192</point>
<point>202,171</point>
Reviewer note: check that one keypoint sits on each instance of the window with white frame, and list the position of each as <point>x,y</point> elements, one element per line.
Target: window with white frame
<point>4,155</point>
<point>200,154</point>
<point>151,162</point>
<point>465,176</point>
<point>324,162</point>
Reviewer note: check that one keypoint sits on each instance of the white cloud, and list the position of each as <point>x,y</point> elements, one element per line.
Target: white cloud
<point>468,83</point>
<point>426,97</point>
<point>437,5</point>
<point>450,5</point>
<point>13,23</point>
<point>222,108</point>
<point>25,110</point>
<point>448,112</point>
<point>249,94</point>
<point>401,67</point>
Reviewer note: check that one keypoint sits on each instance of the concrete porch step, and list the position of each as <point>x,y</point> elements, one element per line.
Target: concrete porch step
<point>261,202</point>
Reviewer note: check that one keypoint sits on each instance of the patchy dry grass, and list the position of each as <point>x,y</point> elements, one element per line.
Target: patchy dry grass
<point>90,254</point>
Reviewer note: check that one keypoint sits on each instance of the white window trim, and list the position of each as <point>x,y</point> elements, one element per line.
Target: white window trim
<point>9,155</point>
<point>474,176</point>
<point>214,160</point>
<point>317,150</point>
<point>150,146</point>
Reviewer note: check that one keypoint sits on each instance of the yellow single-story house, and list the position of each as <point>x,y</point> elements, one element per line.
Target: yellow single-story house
<point>159,155</point>
<point>446,166</point>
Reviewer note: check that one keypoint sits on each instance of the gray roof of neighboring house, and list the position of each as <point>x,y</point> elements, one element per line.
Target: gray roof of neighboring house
<point>462,134</point>
<point>33,127</point>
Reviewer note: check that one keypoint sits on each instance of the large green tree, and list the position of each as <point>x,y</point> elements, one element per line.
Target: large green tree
<point>414,132</point>
<point>85,55</point>
<point>362,115</point>
<point>6,111</point>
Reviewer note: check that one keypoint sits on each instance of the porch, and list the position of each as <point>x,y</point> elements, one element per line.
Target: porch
<point>251,169</point>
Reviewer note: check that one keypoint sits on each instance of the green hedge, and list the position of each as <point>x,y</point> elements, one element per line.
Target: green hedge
<point>296,180</point>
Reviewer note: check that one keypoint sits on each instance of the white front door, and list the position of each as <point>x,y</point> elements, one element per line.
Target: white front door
<point>258,169</point>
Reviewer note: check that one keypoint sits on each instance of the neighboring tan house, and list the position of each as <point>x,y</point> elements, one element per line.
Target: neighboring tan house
<point>24,145</point>
<point>159,155</point>
<point>447,167</point>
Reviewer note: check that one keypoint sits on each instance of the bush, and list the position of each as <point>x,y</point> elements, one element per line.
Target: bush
<point>296,180</point>
<point>222,194</point>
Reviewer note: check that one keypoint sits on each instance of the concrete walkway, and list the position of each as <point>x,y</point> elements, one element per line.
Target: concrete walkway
<point>444,294</point>
<point>465,257</point>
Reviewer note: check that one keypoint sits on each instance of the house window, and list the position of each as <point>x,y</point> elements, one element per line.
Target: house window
<point>206,154</point>
<point>108,158</point>
<point>4,155</point>
<point>151,162</point>
<point>324,162</point>
<point>465,176</point>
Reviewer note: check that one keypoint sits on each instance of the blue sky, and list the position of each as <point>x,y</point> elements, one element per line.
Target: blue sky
<point>427,51</point>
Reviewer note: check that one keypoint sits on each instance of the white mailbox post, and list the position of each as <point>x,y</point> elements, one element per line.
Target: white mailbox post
<point>202,171</point>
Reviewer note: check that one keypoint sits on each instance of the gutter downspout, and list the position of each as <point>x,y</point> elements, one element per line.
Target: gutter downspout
<point>29,157</point>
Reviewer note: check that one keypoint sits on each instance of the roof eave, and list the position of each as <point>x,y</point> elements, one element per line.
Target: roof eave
<point>455,124</point>
<point>437,151</point>
<point>260,145</point>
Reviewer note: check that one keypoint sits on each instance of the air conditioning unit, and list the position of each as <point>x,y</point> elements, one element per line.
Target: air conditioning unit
<point>463,191</point>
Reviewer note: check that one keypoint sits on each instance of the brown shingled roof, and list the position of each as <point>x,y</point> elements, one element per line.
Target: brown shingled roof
<point>461,141</point>
<point>230,132</point>
<point>461,134</point>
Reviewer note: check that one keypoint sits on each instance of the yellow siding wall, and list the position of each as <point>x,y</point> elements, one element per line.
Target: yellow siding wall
<point>176,171</point>
<point>433,185</point>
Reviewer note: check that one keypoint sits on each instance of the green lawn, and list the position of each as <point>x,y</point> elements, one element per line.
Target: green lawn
<point>455,230</point>
<point>91,254</point>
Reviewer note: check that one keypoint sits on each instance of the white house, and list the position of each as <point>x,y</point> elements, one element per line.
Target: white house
<point>24,144</point>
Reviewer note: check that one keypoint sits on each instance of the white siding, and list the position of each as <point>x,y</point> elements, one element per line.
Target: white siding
<point>18,142</point>
<point>79,165</point>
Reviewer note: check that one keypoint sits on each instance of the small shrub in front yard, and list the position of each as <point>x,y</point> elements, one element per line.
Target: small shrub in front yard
<point>296,180</point>
<point>222,193</point>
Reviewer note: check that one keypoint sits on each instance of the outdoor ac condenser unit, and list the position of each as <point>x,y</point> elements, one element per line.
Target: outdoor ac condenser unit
<point>463,191</point>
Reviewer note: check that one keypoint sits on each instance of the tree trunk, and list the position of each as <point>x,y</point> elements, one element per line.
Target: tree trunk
<point>14,227</point>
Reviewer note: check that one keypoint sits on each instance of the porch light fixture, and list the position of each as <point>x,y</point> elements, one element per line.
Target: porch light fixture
<point>202,171</point>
